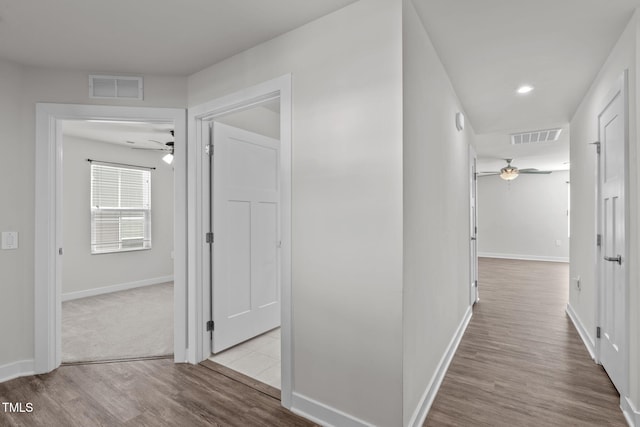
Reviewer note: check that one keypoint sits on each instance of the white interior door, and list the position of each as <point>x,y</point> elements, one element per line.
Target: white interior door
<point>246,227</point>
<point>473,226</point>
<point>612,259</point>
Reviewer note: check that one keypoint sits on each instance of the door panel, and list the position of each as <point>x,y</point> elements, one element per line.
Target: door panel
<point>246,221</point>
<point>237,257</point>
<point>266,258</point>
<point>612,259</point>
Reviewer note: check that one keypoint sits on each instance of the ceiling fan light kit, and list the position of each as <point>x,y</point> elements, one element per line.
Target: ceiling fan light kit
<point>166,146</point>
<point>168,158</point>
<point>509,173</point>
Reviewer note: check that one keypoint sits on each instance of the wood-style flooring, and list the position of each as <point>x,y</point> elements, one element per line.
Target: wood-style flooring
<point>521,361</point>
<point>145,393</point>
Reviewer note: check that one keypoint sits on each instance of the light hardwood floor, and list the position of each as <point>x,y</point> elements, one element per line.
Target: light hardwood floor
<point>521,361</point>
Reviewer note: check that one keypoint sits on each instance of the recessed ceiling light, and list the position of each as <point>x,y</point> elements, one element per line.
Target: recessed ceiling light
<point>524,89</point>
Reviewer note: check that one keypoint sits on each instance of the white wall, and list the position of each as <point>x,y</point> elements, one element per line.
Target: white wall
<point>347,200</point>
<point>84,272</point>
<point>584,130</point>
<point>436,214</point>
<point>524,218</point>
<point>16,208</point>
<point>22,88</point>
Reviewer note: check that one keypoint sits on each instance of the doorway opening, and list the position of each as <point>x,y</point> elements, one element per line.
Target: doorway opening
<point>117,269</point>
<point>50,226</point>
<point>240,146</point>
<point>245,259</point>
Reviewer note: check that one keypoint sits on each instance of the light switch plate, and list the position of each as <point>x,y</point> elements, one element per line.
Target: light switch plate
<point>9,240</point>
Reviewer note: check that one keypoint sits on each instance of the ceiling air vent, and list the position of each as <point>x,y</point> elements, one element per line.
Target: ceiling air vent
<point>115,87</point>
<point>547,135</point>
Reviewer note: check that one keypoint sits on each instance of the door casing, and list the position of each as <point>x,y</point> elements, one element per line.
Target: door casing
<point>473,227</point>
<point>48,225</point>
<point>199,294</point>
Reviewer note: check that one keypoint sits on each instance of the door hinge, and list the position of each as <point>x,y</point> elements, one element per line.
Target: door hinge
<point>208,149</point>
<point>210,326</point>
<point>209,237</point>
<point>597,144</point>
<point>476,283</point>
<point>60,251</point>
<point>598,332</point>
<point>599,240</point>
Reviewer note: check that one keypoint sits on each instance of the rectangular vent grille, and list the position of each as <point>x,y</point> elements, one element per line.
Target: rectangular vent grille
<point>547,135</point>
<point>115,87</point>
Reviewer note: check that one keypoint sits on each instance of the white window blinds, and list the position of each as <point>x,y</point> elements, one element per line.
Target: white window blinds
<point>120,208</point>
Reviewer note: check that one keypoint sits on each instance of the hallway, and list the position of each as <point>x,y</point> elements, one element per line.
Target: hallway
<point>521,361</point>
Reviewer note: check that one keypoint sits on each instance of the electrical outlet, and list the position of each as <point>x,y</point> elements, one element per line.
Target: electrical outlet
<point>9,240</point>
<point>558,243</point>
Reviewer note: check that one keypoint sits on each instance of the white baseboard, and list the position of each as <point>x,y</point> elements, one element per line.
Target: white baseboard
<point>523,257</point>
<point>582,331</point>
<point>322,414</point>
<point>115,288</point>
<point>631,414</point>
<point>17,369</point>
<point>420,414</point>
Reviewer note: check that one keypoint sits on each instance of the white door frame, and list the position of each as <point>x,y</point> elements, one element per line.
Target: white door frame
<point>473,223</point>
<point>199,296</point>
<point>620,86</point>
<point>48,224</point>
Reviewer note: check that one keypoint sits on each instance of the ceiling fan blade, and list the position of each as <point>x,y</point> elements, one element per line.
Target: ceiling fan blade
<point>161,143</point>
<point>149,149</point>
<point>535,171</point>
<point>487,173</point>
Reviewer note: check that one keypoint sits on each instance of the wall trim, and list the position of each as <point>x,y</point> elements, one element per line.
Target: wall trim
<point>21,368</point>
<point>523,257</point>
<point>322,414</point>
<point>631,414</point>
<point>421,411</point>
<point>582,331</point>
<point>69,296</point>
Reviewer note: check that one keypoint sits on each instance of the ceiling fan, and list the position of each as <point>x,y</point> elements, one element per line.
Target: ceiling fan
<point>509,172</point>
<point>164,146</point>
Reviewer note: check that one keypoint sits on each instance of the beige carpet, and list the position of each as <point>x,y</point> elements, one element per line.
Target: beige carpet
<point>122,325</point>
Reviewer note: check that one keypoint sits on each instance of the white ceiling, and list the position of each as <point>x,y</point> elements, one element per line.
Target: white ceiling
<point>493,148</point>
<point>130,134</point>
<point>491,47</point>
<point>145,36</point>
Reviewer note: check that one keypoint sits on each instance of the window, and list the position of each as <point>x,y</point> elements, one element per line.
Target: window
<point>120,208</point>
